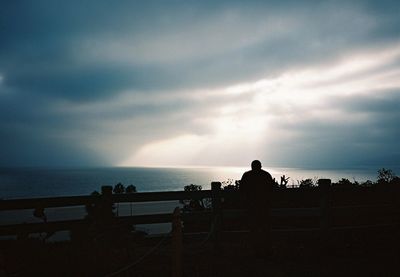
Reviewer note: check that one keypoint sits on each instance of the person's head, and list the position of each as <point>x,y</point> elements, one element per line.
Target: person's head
<point>256,165</point>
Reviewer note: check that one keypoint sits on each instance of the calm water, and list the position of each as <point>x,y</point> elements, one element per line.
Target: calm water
<point>39,182</point>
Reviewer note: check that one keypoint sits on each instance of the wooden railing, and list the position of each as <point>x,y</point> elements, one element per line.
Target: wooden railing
<point>329,206</point>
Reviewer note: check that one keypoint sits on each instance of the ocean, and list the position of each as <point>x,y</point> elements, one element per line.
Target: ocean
<point>42,182</point>
<point>52,182</point>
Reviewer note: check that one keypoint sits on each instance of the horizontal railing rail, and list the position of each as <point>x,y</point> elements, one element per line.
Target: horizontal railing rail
<point>324,212</point>
<point>66,201</point>
<point>64,225</point>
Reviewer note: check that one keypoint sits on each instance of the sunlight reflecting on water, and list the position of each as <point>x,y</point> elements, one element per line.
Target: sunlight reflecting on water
<point>39,182</point>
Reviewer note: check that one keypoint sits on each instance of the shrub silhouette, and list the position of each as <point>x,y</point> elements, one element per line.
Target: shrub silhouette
<point>307,183</point>
<point>192,204</point>
<point>385,176</point>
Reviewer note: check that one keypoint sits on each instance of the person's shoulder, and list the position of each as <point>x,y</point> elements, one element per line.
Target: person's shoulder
<point>266,173</point>
<point>247,173</point>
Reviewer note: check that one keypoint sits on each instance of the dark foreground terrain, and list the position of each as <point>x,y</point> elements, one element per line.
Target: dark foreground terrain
<point>362,252</point>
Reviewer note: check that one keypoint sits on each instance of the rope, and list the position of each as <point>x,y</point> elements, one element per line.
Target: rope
<point>201,244</point>
<point>205,240</point>
<point>211,232</point>
<point>148,253</point>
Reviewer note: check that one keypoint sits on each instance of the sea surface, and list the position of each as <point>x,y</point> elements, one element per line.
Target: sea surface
<point>45,182</point>
<point>42,182</point>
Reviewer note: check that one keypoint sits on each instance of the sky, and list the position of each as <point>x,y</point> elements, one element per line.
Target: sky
<point>311,84</point>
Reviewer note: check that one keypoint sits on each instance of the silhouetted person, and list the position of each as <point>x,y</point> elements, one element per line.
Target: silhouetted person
<point>256,189</point>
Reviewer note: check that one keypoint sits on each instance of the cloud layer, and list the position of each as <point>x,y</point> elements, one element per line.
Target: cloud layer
<point>200,83</point>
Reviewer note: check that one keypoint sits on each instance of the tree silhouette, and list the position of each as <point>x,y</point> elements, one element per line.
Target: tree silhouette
<point>192,204</point>
<point>130,189</point>
<point>118,189</point>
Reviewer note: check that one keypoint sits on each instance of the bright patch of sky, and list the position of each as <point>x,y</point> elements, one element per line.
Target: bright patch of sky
<point>242,127</point>
<point>200,83</point>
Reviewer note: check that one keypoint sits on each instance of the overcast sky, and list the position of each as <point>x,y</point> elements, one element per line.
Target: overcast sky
<point>292,83</point>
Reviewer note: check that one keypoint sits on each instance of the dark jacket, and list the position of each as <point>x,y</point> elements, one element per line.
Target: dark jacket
<point>256,189</point>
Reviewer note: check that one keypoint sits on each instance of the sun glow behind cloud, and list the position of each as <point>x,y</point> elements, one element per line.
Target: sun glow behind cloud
<point>201,83</point>
<point>243,128</point>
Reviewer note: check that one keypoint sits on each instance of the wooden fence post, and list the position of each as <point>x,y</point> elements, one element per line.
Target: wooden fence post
<point>216,211</point>
<point>106,204</point>
<point>325,220</point>
<point>395,192</point>
<point>177,245</point>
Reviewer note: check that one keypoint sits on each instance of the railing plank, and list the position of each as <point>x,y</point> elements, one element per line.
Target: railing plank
<point>54,226</point>
<point>50,202</point>
<point>281,212</point>
<point>192,216</point>
<point>46,202</point>
<point>355,210</point>
<point>65,201</point>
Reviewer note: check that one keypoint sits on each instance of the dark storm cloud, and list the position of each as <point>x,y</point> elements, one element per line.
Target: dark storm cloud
<point>43,50</point>
<point>64,63</point>
<point>28,148</point>
<point>376,102</point>
<point>366,134</point>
